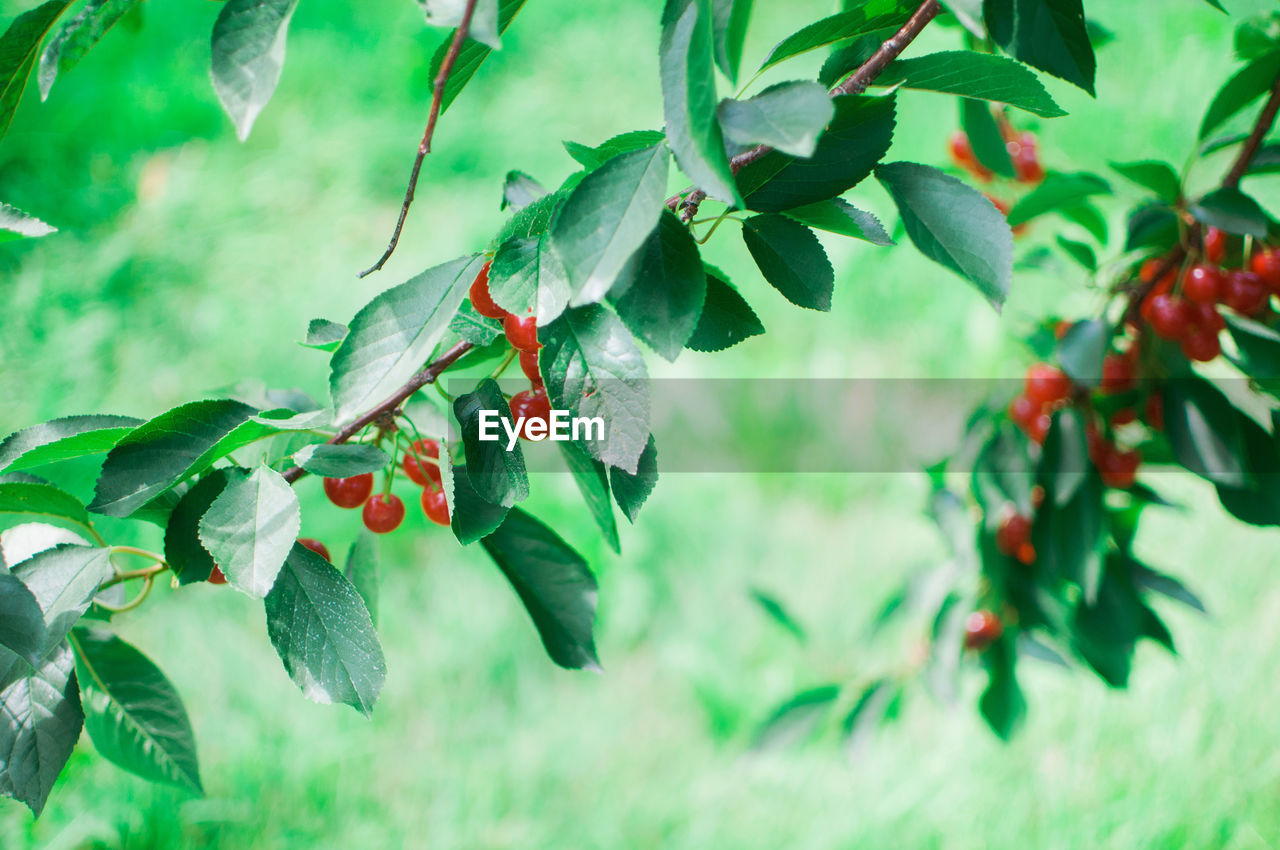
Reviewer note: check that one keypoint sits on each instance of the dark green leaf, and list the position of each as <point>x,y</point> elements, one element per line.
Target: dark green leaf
<point>792,259</point>
<point>839,216</point>
<point>394,334</point>
<point>64,581</point>
<point>1259,347</point>
<point>867,713</point>
<point>1080,252</point>
<point>1047,34</point>
<point>1204,431</point>
<point>1002,704</point>
<point>686,57</point>
<point>20,497</point>
<point>40,722</point>
<point>76,38</point>
<point>519,190</point>
<point>341,461</point>
<point>14,223</point>
<point>607,218</point>
<point>1104,633</point>
<point>1065,461</point>
<point>18,47</point>
<point>248,55</point>
<point>857,138</point>
<point>362,571</point>
<point>472,517</point>
<point>788,117</point>
<point>324,335</point>
<point>1158,177</point>
<point>660,294</point>
<point>778,613</point>
<point>592,478</point>
<point>132,712</point>
<point>852,54</point>
<point>729,20</point>
<point>322,632</point>
<point>1069,537</point>
<point>973,75</point>
<point>592,158</point>
<point>593,369</point>
<point>555,585</point>
<point>495,461</point>
<point>1248,84</point>
<point>796,719</point>
<point>954,225</point>
<point>1256,35</point>
<point>985,138</point>
<point>1166,585</point>
<point>1153,227</point>
<point>869,17</point>
<point>471,57</point>
<point>726,319</point>
<point>1231,211</point>
<point>1082,350</point>
<point>1057,191</point>
<point>1089,217</point>
<point>22,629</point>
<point>186,555</point>
<point>631,490</point>
<point>250,529</point>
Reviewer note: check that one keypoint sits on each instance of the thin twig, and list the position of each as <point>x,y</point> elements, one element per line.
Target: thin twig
<point>1251,145</point>
<point>427,375</point>
<point>688,201</point>
<point>424,147</point>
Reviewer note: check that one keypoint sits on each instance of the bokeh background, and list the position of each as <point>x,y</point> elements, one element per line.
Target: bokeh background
<point>186,261</point>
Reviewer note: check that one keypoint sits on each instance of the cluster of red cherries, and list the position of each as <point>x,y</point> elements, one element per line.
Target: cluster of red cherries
<point>522,333</point>
<point>384,512</point>
<point>1021,147</point>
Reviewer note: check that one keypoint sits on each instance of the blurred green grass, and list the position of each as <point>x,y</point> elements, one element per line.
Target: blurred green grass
<point>188,262</point>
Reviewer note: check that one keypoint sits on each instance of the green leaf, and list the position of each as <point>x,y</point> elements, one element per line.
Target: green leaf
<point>474,328</point>
<point>1069,536</point>
<point>63,439</point>
<point>592,368</point>
<point>1082,350</point>
<point>1088,217</point>
<point>969,14</point>
<point>449,13</point>
<point>1047,34</point>
<point>519,190</point>
<point>837,215</point>
<point>325,335</point>
<point>869,17</point>
<point>954,225</point>
<point>796,719</point>
<point>778,613</point>
<point>132,712</point>
<point>322,632</point>
<point>630,490</point>
<point>1002,704</point>
<point>171,448</point>
<point>1057,191</point>
<point>1259,348</point>
<point>1158,177</point>
<point>874,703</point>
<point>1080,252</point>
<point>20,497</point>
<point>1146,578</point>
<point>77,37</point>
<point>1065,463</point>
<point>529,278</point>
<point>973,75</point>
<point>362,571</point>
<point>64,580</point>
<point>470,516</point>
<point>341,461</point>
<point>607,218</point>
<point>592,478</point>
<point>1247,85</point>
<point>1204,431</point>
<point>788,117</point>
<point>726,320</point>
<point>1104,633</point>
<point>14,223</point>
<point>555,585</point>
<point>471,57</point>
<point>394,334</point>
<point>686,57</point>
<point>22,629</point>
<point>660,294</point>
<point>635,140</point>
<point>984,135</point>
<point>18,48</point>
<point>250,529</point>
<point>729,19</point>
<point>852,55</point>
<point>857,138</point>
<point>791,258</point>
<point>40,722</point>
<point>1003,473</point>
<point>1152,226</point>
<point>1231,211</point>
<point>1256,35</point>
<point>187,557</point>
<point>498,475</point>
<point>248,55</point>
<point>1258,502</point>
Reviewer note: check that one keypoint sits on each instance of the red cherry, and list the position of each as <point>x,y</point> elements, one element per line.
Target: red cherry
<point>1170,317</point>
<point>421,463</point>
<point>1118,468</point>
<point>522,333</point>
<point>1094,442</point>
<point>1026,164</point>
<point>1022,411</point>
<point>1154,411</point>
<point>963,155</point>
<point>1119,373</point>
<point>317,547</point>
<point>1013,531</point>
<point>216,577</point>
<point>529,365</point>
<point>1203,284</point>
<point>1200,346</point>
<point>1124,416</point>
<point>1245,292</point>
<point>482,300</point>
<point>1266,265</point>
<point>1207,318</point>
<point>435,506</point>
<point>531,404</point>
<point>383,514</point>
<point>349,492</point>
<point>1047,384</point>
<point>1215,245</point>
<point>981,629</point>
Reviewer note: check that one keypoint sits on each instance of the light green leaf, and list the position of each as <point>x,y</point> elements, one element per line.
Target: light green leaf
<point>18,48</point>
<point>529,278</point>
<point>250,529</point>
<point>362,571</point>
<point>77,37</point>
<point>1248,84</point>
<point>1058,191</point>
<point>471,57</point>
<point>63,439</point>
<point>40,722</point>
<point>248,55</point>
<point>187,557</point>
<point>22,629</point>
<point>592,158</point>
<point>324,335</point>
<point>15,224</point>
<point>1159,177</point>
<point>729,30</point>
<point>64,580</point>
<point>868,17</point>
<point>519,190</point>
<point>341,461</point>
<point>788,117</point>
<point>839,216</point>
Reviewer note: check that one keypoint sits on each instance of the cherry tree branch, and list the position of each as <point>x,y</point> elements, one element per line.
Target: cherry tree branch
<point>688,201</point>
<point>424,147</point>
<point>426,375</point>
